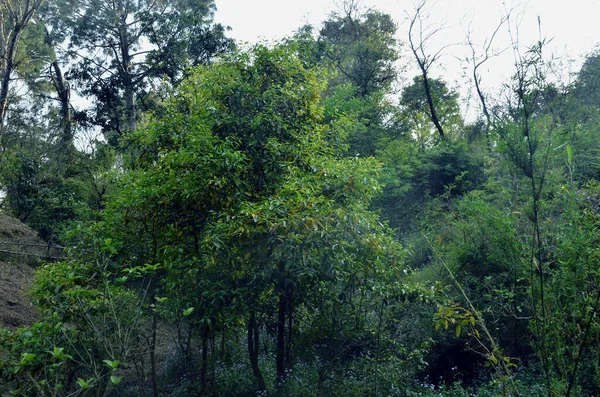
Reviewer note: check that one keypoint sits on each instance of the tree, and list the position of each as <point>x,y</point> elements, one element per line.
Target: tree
<point>367,122</point>
<point>358,49</point>
<point>419,39</point>
<point>55,32</point>
<point>121,45</point>
<point>361,47</point>
<point>15,16</point>
<point>184,35</point>
<point>576,107</point>
<point>248,183</point>
<point>477,61</point>
<point>414,103</point>
<point>587,85</point>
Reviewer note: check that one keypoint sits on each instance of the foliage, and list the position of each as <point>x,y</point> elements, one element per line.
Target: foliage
<point>363,119</point>
<point>357,50</point>
<point>414,110</point>
<point>573,290</point>
<point>113,68</point>
<point>250,183</point>
<point>34,359</point>
<point>413,177</point>
<point>242,222</point>
<point>362,47</point>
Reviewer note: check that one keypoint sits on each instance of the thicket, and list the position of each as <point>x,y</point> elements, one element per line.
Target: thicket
<point>278,220</point>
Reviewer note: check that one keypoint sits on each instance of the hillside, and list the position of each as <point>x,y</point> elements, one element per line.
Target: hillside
<point>20,251</point>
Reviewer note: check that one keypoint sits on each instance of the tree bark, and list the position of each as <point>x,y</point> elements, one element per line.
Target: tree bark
<point>126,70</point>
<point>424,61</point>
<point>204,365</point>
<point>321,381</point>
<point>14,17</point>
<point>290,330</point>
<point>153,356</point>
<point>432,113</point>
<point>281,314</point>
<point>8,61</point>
<point>253,351</point>
<point>63,90</point>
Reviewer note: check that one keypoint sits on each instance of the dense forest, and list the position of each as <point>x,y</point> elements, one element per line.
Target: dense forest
<point>300,218</point>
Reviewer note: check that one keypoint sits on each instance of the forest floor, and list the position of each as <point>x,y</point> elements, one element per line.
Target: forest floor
<point>21,251</point>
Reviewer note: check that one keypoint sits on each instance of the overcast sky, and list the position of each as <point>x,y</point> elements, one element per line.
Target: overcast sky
<point>575,21</point>
<point>572,25</point>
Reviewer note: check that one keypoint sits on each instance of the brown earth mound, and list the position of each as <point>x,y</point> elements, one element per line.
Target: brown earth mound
<point>15,307</point>
<point>20,252</point>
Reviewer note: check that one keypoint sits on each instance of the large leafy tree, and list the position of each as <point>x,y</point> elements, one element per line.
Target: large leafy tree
<point>359,49</point>
<point>38,154</point>
<point>362,47</point>
<point>244,205</point>
<point>121,46</point>
<point>110,52</point>
<point>15,16</point>
<point>415,109</point>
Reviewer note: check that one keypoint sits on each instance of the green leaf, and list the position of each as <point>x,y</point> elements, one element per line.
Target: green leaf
<point>458,329</point>
<point>57,352</point>
<point>27,358</point>
<point>188,311</point>
<point>111,364</point>
<point>116,379</point>
<point>84,384</point>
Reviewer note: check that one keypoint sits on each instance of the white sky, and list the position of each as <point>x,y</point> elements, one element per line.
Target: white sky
<point>572,25</point>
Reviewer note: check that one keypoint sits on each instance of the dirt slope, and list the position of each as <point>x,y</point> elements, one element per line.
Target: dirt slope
<point>20,251</point>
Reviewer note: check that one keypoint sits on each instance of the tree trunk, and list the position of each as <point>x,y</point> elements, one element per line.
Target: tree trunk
<point>153,356</point>
<point>8,63</point>
<point>63,89</point>
<point>15,16</point>
<point>432,111</point>
<point>424,63</point>
<point>126,71</point>
<point>281,313</point>
<point>290,329</point>
<point>253,351</point>
<point>129,104</point>
<point>484,108</point>
<point>204,365</point>
<point>321,382</point>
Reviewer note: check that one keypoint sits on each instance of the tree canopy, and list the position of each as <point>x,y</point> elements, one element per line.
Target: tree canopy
<point>298,218</point>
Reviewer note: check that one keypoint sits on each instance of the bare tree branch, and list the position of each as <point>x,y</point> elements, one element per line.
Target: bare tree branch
<point>419,50</point>
<point>478,60</point>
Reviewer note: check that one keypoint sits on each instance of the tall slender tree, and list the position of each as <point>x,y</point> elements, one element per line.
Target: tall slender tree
<point>121,46</point>
<point>15,16</point>
<point>419,40</point>
<point>362,47</point>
